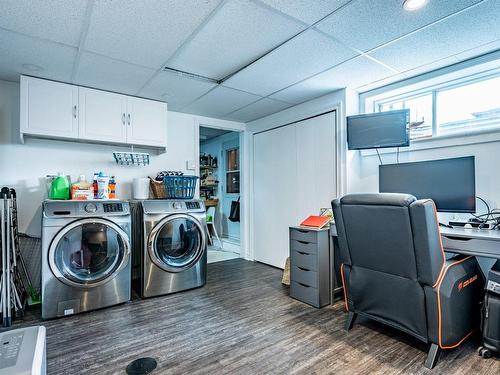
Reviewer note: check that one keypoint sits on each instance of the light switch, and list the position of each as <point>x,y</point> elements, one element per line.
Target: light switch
<point>191,165</point>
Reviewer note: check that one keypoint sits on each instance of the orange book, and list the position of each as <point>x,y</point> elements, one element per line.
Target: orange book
<point>316,221</point>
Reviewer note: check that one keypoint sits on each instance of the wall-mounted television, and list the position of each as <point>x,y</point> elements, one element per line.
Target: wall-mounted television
<point>379,130</point>
<point>450,183</point>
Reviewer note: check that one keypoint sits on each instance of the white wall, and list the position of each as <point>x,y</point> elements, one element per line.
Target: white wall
<point>214,147</point>
<point>363,169</point>
<point>24,166</point>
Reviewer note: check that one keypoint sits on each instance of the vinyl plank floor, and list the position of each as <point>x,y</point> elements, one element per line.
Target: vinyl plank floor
<point>241,322</point>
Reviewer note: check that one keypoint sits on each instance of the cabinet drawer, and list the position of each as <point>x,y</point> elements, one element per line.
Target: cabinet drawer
<point>304,260</point>
<point>304,276</point>
<point>304,293</point>
<point>305,247</point>
<point>305,235</point>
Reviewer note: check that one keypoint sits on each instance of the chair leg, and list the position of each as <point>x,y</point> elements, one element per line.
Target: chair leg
<point>217,235</point>
<point>351,317</point>
<point>432,356</point>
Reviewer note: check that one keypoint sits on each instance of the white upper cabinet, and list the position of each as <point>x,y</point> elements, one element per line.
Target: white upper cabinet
<point>146,122</point>
<point>49,108</point>
<point>57,110</point>
<point>102,116</point>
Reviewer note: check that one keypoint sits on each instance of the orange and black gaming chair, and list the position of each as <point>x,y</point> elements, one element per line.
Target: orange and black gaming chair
<point>394,270</point>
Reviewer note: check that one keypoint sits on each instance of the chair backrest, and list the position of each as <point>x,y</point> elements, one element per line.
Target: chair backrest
<point>390,249</point>
<point>210,215</point>
<point>390,233</point>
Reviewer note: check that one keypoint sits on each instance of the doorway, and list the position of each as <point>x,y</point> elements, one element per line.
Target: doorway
<point>220,161</point>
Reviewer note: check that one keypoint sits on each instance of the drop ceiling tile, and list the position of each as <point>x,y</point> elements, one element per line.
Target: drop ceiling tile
<point>108,74</point>
<point>469,29</point>
<point>144,32</point>
<point>177,90</point>
<point>352,74</point>
<point>480,50</point>
<point>56,20</point>
<point>307,54</point>
<point>308,11</point>
<point>263,107</point>
<point>220,101</point>
<point>239,33</point>
<point>56,60</point>
<point>381,83</point>
<point>367,24</point>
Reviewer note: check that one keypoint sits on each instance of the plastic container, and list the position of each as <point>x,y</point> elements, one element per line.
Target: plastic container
<point>112,188</point>
<point>180,187</point>
<point>82,190</point>
<point>59,188</point>
<point>140,188</point>
<point>102,186</point>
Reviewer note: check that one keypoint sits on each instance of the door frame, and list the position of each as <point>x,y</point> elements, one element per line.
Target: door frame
<point>244,143</point>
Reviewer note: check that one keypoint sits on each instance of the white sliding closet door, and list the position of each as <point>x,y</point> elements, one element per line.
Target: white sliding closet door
<point>274,193</point>
<point>294,176</point>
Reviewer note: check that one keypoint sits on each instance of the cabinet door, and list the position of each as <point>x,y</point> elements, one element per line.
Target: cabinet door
<point>102,116</point>
<point>146,122</point>
<point>48,108</point>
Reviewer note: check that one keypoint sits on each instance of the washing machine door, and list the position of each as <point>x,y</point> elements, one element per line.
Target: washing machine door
<point>89,252</point>
<point>177,242</point>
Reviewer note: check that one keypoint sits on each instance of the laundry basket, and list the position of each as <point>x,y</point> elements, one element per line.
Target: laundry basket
<point>180,187</point>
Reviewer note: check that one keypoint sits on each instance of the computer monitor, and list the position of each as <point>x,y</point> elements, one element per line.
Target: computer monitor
<point>450,183</point>
<point>378,130</point>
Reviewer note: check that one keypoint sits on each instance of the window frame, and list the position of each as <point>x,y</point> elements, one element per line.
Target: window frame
<point>228,171</point>
<point>434,90</point>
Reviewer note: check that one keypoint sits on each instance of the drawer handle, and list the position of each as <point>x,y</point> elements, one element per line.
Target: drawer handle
<point>303,230</point>
<point>303,242</point>
<point>303,269</point>
<point>304,285</point>
<point>458,238</point>
<point>302,253</point>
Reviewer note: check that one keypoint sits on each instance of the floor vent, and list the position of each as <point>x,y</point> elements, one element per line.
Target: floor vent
<point>141,366</point>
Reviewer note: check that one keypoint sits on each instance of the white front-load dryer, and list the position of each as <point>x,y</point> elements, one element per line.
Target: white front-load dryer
<point>170,246</point>
<point>86,261</point>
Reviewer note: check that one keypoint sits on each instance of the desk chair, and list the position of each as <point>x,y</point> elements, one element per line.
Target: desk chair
<point>211,225</point>
<point>394,270</point>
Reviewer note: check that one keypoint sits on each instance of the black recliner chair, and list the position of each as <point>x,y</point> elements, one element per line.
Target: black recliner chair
<point>394,270</point>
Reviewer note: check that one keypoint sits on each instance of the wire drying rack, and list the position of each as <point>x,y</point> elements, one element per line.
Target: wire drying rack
<point>131,158</point>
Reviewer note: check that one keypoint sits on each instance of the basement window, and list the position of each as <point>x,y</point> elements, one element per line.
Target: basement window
<point>468,105</point>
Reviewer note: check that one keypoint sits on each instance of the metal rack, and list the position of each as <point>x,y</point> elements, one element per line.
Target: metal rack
<point>15,282</point>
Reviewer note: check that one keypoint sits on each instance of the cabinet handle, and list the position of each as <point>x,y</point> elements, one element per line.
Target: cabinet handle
<point>302,242</point>
<point>128,119</point>
<point>304,285</point>
<point>74,111</point>
<point>123,118</point>
<point>303,269</point>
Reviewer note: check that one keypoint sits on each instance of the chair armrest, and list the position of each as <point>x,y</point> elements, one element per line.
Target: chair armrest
<point>458,294</point>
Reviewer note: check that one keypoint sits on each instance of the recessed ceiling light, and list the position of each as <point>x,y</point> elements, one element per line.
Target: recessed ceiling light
<point>32,67</point>
<point>414,4</point>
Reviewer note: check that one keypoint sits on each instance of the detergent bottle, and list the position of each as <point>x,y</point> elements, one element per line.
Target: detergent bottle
<point>59,189</point>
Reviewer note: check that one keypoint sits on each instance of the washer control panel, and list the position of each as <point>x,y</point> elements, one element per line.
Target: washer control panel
<point>90,208</point>
<point>9,350</point>
<point>193,205</point>
<point>112,207</point>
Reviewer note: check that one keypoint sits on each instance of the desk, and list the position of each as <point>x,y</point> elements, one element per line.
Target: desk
<point>476,242</point>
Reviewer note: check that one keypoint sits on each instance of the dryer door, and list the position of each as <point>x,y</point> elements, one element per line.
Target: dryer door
<point>89,252</point>
<point>176,242</point>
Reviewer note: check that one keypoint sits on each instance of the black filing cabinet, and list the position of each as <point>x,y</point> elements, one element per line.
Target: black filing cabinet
<point>310,266</point>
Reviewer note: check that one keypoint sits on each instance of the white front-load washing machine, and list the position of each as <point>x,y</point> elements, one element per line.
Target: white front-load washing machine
<point>86,261</point>
<point>170,246</point>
